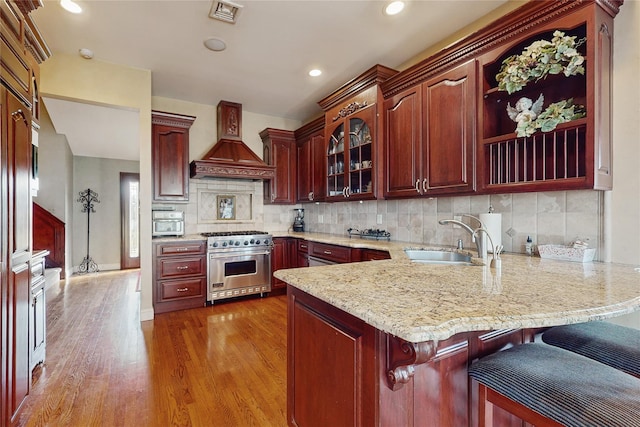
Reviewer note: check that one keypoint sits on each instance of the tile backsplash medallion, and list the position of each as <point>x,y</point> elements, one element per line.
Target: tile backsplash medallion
<point>558,217</point>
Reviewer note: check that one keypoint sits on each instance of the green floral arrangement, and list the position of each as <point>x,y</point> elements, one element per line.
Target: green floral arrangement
<point>559,112</point>
<point>540,59</point>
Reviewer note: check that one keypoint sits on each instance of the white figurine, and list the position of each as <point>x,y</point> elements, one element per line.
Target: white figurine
<point>525,113</point>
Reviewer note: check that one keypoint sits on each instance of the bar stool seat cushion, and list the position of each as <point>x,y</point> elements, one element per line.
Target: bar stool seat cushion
<point>608,343</point>
<point>566,387</point>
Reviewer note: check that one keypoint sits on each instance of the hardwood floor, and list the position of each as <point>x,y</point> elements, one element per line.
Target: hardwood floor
<point>223,365</point>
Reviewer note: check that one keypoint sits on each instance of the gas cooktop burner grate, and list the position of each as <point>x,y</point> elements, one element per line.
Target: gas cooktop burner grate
<point>232,233</point>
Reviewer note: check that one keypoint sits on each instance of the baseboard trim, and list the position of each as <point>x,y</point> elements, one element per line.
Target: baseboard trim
<point>146,314</point>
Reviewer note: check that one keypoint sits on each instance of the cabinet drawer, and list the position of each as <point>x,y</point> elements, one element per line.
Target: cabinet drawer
<point>374,254</point>
<point>183,266</point>
<point>182,288</point>
<point>330,252</point>
<point>303,246</point>
<point>181,248</point>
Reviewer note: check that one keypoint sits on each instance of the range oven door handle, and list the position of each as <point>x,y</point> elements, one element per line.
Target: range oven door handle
<point>227,254</point>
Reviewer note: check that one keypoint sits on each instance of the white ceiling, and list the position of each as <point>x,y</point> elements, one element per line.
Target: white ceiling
<point>96,130</point>
<point>269,50</point>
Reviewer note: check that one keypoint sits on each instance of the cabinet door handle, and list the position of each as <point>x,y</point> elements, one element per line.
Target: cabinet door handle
<point>418,185</point>
<point>347,191</point>
<point>424,185</point>
<point>182,267</point>
<point>18,115</point>
<point>311,195</point>
<point>182,289</point>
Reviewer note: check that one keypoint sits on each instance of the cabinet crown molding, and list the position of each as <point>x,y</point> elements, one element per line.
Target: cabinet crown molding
<point>505,28</point>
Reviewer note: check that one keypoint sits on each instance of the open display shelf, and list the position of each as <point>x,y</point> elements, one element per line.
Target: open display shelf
<point>560,155</point>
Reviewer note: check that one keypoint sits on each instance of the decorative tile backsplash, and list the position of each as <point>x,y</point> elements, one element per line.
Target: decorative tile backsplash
<point>558,217</point>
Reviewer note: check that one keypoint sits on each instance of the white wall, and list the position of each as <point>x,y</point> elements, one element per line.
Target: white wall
<point>623,203</point>
<point>72,77</point>
<point>55,167</point>
<point>103,177</point>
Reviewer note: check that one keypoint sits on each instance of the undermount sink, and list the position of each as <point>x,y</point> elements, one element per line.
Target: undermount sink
<point>431,256</point>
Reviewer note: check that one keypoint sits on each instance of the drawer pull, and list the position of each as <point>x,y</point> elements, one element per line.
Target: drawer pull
<point>182,267</point>
<point>182,249</point>
<point>182,289</point>
<point>303,246</point>
<point>327,252</point>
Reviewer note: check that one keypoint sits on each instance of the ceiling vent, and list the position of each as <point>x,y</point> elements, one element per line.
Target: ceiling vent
<point>225,11</point>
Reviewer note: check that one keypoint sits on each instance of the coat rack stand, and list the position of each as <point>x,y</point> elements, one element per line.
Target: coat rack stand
<point>88,198</point>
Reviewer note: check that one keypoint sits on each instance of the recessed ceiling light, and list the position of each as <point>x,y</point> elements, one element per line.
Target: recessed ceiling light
<point>315,72</point>
<point>215,44</point>
<point>85,53</point>
<point>70,6</point>
<point>394,8</point>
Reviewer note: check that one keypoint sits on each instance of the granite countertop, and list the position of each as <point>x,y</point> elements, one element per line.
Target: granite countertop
<point>422,302</point>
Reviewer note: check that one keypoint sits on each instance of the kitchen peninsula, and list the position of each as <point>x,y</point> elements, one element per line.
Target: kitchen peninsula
<point>389,342</point>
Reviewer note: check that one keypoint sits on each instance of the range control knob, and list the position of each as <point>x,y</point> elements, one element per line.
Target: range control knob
<point>252,241</point>
<point>237,243</point>
<point>224,244</point>
<point>246,243</point>
<point>215,244</point>
<point>258,242</point>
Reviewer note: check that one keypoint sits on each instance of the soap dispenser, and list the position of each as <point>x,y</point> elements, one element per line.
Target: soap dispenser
<point>528,247</point>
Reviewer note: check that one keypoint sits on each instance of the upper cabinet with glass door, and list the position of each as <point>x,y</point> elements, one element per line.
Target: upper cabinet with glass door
<point>350,134</point>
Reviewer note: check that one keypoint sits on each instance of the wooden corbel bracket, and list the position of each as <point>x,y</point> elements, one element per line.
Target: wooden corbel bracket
<point>402,356</point>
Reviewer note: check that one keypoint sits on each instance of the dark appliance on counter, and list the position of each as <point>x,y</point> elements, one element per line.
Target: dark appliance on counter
<point>238,263</point>
<point>298,221</point>
<point>167,222</point>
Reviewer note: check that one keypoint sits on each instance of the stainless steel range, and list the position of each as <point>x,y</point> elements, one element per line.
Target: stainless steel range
<point>238,263</point>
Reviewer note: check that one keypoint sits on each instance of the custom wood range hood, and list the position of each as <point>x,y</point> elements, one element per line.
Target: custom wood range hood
<point>230,157</point>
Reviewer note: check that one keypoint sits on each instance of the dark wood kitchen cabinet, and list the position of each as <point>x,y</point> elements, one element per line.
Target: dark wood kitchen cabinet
<point>328,252</point>
<point>369,255</point>
<point>283,255</point>
<point>170,156</point>
<point>351,136</point>
<point>23,49</point>
<point>302,253</point>
<point>37,315</point>
<point>576,153</point>
<point>279,147</point>
<point>429,136</point>
<point>311,161</point>
<point>340,371</point>
<point>450,151</point>
<point>16,247</point>
<point>179,275</point>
